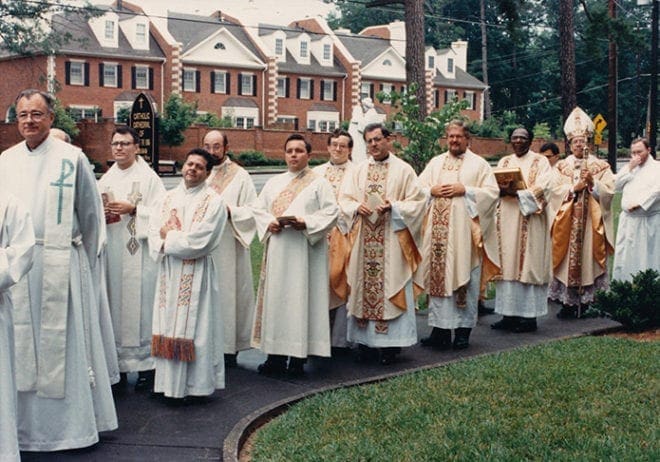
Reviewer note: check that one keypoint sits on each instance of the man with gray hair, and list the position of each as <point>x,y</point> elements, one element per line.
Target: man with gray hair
<point>64,395</point>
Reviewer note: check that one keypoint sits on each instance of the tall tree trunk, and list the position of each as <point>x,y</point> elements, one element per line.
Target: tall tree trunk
<point>567,57</point>
<point>414,15</point>
<point>484,57</point>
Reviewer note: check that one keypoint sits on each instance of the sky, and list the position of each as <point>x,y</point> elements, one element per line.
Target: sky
<point>249,12</point>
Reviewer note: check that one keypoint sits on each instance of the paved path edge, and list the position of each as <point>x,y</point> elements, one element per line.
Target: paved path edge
<point>234,442</point>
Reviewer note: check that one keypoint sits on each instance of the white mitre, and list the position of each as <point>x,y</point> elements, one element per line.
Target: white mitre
<point>578,123</point>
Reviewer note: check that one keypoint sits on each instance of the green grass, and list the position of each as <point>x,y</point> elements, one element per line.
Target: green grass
<point>256,253</point>
<point>592,398</point>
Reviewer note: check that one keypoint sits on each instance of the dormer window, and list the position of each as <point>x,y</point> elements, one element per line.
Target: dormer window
<point>450,65</point>
<point>304,46</point>
<point>430,62</point>
<point>327,52</point>
<point>109,30</point>
<point>141,34</point>
<point>279,47</point>
<point>387,62</point>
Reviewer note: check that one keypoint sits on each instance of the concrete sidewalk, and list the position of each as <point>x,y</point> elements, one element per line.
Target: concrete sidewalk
<point>151,430</point>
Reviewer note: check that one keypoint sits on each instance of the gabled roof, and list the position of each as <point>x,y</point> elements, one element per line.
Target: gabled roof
<point>462,80</point>
<point>290,66</point>
<point>86,44</point>
<point>191,30</point>
<point>363,48</point>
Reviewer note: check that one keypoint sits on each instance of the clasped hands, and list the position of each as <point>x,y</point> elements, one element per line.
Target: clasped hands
<point>448,190</point>
<point>275,226</point>
<point>586,181</point>
<point>120,207</point>
<point>364,210</point>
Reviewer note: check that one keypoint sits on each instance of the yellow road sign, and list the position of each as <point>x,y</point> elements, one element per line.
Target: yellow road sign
<point>598,139</point>
<point>599,123</point>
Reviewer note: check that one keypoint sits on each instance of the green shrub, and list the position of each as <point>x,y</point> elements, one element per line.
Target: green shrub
<point>257,158</point>
<point>633,304</point>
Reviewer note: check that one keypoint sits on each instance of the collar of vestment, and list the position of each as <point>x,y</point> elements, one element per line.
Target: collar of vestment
<point>195,189</point>
<point>384,161</point>
<point>43,147</point>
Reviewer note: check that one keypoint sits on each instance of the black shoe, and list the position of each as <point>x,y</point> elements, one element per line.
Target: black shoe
<point>120,387</point>
<point>365,354</point>
<point>506,323</point>
<point>275,365</point>
<point>525,325</point>
<point>388,355</point>
<point>462,338</point>
<point>296,368</point>
<point>230,360</point>
<point>483,310</point>
<point>145,381</point>
<point>195,400</point>
<point>567,312</point>
<point>440,339</point>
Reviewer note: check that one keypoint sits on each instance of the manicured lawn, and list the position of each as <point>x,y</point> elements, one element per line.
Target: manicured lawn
<point>592,398</point>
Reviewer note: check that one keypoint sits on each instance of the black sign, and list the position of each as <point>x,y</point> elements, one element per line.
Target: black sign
<point>144,121</point>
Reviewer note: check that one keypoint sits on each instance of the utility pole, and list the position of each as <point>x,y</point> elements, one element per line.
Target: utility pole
<point>484,57</point>
<point>653,97</point>
<point>612,92</point>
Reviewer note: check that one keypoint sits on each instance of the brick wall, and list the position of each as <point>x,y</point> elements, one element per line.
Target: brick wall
<point>94,139</point>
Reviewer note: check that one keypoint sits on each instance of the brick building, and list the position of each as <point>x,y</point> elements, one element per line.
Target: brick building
<point>304,76</point>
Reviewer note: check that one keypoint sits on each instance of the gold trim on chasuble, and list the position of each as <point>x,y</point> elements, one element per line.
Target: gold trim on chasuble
<point>524,224</point>
<point>436,274</point>
<point>176,347</point>
<point>571,240</point>
<point>335,175</point>
<point>373,254</point>
<point>277,208</point>
<point>223,176</point>
<point>339,247</point>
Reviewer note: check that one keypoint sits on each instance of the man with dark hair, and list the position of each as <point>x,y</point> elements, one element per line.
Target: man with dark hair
<point>337,170</point>
<point>130,190</point>
<point>64,395</point>
<point>637,243</point>
<point>294,213</point>
<point>523,221</point>
<point>184,230</point>
<point>551,152</point>
<point>232,257</point>
<point>459,238</point>
<point>384,206</point>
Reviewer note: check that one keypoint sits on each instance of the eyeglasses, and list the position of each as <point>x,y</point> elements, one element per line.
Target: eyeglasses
<point>375,140</point>
<point>123,144</point>
<point>34,115</point>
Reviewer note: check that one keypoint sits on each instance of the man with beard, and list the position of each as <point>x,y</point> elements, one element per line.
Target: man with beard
<point>463,195</point>
<point>232,257</point>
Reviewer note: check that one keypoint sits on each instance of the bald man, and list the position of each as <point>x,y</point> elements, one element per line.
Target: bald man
<point>232,257</point>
